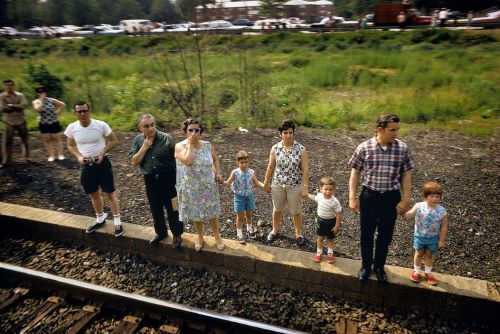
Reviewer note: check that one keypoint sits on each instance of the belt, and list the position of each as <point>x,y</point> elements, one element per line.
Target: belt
<point>155,175</point>
<point>379,192</point>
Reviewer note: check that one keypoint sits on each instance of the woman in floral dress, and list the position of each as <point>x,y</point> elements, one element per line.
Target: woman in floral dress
<point>197,176</point>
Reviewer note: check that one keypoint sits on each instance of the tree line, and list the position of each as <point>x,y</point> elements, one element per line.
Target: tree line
<point>27,13</point>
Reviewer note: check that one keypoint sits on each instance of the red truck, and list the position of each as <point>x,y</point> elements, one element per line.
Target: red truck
<point>386,15</point>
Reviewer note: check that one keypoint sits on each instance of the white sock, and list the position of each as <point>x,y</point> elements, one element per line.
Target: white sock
<point>330,250</point>
<point>428,270</point>
<point>100,217</point>
<point>239,232</point>
<point>249,228</point>
<point>319,250</point>
<point>416,268</point>
<point>117,219</point>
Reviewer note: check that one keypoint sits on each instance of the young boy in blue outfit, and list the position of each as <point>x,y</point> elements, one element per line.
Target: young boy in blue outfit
<point>241,181</point>
<point>431,225</point>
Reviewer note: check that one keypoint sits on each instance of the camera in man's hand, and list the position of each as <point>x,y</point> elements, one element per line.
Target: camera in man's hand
<point>89,161</point>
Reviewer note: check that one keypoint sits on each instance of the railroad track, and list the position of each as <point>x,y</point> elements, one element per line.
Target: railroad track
<point>91,303</point>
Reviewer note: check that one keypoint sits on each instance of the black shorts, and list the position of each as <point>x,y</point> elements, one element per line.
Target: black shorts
<point>95,176</point>
<point>50,128</point>
<point>324,227</point>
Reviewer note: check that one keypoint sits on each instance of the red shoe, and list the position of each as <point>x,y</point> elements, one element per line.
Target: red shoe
<point>415,277</point>
<point>430,279</point>
<point>330,258</point>
<point>317,258</point>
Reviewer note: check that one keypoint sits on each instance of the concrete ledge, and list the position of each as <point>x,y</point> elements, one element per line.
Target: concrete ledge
<point>453,297</point>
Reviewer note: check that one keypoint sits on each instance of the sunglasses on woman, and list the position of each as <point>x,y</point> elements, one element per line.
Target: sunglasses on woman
<point>194,129</point>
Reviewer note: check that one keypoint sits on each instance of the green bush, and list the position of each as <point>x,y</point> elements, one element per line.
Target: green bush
<point>299,62</point>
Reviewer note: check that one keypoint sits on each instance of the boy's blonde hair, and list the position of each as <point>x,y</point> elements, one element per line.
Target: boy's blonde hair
<point>432,188</point>
<point>242,155</point>
<point>327,180</point>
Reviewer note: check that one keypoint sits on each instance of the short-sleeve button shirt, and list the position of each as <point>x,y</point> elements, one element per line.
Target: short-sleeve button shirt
<point>381,168</point>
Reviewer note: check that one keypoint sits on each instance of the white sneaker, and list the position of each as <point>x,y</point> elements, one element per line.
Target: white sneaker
<point>50,159</point>
<point>61,157</point>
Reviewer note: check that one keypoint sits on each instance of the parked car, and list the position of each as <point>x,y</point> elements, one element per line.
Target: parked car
<point>8,32</point>
<point>46,32</point>
<point>456,15</point>
<point>60,31</point>
<point>161,28</point>
<point>294,22</point>
<point>182,27</point>
<point>492,20</point>
<point>335,22</point>
<point>243,22</point>
<point>267,24</point>
<point>217,25</point>
<point>111,30</point>
<point>136,26</point>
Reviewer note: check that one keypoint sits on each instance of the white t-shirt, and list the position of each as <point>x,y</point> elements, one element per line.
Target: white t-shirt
<point>327,208</point>
<point>90,140</point>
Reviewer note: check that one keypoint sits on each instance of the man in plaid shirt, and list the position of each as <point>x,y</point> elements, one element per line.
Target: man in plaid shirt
<point>384,164</point>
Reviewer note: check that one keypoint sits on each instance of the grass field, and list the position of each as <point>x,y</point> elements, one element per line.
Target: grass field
<point>439,78</point>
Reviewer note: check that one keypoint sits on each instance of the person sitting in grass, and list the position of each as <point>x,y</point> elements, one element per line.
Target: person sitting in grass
<point>329,217</point>
<point>431,225</point>
<point>241,181</point>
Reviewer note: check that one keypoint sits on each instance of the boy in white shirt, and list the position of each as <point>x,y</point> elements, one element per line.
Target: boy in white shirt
<point>329,217</point>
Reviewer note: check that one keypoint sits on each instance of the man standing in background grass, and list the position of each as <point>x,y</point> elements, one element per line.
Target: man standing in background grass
<point>385,165</point>
<point>12,105</point>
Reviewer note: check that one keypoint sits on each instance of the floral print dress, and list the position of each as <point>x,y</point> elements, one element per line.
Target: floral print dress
<point>197,190</point>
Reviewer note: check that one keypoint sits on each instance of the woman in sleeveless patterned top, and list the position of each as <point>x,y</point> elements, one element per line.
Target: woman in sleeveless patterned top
<point>288,166</point>
<point>197,176</point>
<point>49,125</point>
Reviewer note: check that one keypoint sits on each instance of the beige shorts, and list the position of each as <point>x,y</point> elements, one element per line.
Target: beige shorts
<point>287,196</point>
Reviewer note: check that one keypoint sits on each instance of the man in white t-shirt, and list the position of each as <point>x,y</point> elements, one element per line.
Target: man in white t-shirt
<point>89,140</point>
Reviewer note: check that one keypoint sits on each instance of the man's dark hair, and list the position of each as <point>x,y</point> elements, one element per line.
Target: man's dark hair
<point>385,119</point>
<point>6,81</point>
<point>80,103</point>
<point>286,124</point>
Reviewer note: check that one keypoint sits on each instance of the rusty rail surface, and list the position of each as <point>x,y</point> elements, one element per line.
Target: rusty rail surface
<point>136,305</point>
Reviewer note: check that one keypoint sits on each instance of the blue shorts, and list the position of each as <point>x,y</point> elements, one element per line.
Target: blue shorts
<point>429,243</point>
<point>244,203</point>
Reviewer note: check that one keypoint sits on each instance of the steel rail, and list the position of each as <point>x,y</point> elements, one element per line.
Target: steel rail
<point>48,282</point>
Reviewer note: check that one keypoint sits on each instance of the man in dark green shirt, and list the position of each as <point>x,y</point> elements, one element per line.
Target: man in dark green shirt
<point>153,152</point>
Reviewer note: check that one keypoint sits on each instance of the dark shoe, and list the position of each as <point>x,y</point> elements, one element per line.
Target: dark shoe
<point>300,241</point>
<point>157,238</point>
<point>363,274</point>
<point>92,228</point>
<point>241,239</point>
<point>176,243</point>
<point>271,236</point>
<point>252,234</point>
<point>381,275</point>
<point>118,230</point>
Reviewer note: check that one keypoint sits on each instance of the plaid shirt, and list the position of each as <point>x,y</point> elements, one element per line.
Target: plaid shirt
<point>381,169</point>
